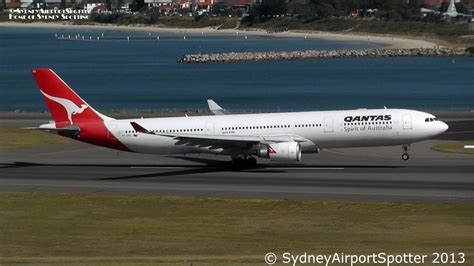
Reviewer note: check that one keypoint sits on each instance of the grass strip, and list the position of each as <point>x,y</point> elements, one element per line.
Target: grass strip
<point>125,229</point>
<point>14,138</point>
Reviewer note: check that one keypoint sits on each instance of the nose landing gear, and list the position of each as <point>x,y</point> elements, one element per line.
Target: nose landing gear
<point>405,155</point>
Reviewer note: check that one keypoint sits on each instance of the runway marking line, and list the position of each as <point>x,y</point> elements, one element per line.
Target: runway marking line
<point>273,168</point>
<point>306,168</point>
<point>158,167</point>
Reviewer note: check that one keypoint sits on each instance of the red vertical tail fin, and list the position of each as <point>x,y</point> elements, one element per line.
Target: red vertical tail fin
<point>65,105</point>
<point>67,108</point>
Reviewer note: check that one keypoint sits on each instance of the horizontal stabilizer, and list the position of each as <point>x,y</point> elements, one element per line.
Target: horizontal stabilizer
<point>53,128</point>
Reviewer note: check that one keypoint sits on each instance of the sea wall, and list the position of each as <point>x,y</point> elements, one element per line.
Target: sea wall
<point>316,54</point>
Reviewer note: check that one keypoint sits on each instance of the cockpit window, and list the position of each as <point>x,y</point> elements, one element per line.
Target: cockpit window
<point>431,119</point>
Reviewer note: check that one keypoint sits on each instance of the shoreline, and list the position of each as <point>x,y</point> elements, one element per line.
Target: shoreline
<point>391,42</point>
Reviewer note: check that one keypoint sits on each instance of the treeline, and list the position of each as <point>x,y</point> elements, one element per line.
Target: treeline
<point>389,10</point>
<point>154,17</point>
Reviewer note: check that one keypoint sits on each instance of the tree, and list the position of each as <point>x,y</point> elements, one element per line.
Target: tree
<point>273,7</point>
<point>302,8</point>
<point>444,7</point>
<point>221,9</point>
<point>325,10</point>
<point>461,8</point>
<point>137,5</point>
<point>393,15</point>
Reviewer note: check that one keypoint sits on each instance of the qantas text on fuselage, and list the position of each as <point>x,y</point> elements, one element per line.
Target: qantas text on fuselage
<point>276,136</point>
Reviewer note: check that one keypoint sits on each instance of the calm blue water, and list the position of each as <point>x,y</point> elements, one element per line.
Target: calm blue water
<point>143,74</point>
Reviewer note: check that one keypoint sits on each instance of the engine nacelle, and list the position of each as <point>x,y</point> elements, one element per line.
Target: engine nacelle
<point>281,151</point>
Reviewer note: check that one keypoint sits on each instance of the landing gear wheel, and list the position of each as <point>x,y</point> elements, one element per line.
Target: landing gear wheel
<point>239,163</point>
<point>251,161</point>
<point>405,156</point>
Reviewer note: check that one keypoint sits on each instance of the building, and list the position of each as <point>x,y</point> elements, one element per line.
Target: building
<point>165,6</point>
<point>11,4</point>
<point>202,6</point>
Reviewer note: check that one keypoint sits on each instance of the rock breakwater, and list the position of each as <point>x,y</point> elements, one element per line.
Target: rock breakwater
<point>316,54</point>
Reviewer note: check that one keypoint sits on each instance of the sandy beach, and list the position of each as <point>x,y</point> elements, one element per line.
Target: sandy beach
<point>392,42</point>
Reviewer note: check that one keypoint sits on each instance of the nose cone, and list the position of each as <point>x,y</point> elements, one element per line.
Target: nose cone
<point>442,127</point>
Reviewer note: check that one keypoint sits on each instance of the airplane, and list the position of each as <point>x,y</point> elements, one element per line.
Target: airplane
<point>277,136</point>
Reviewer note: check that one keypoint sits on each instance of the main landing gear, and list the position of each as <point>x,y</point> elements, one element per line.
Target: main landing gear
<point>244,161</point>
<point>405,155</point>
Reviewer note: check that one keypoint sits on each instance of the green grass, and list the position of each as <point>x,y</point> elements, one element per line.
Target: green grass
<point>445,31</point>
<point>4,17</point>
<point>190,22</point>
<point>13,138</point>
<point>173,22</point>
<point>455,147</point>
<point>108,229</point>
<point>230,23</point>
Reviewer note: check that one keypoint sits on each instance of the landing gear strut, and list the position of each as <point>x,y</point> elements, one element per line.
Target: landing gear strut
<point>245,161</point>
<point>405,155</point>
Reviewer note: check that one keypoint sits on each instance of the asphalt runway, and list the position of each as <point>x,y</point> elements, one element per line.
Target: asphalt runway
<point>346,174</point>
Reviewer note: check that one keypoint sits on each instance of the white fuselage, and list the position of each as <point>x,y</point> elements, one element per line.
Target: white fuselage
<point>320,129</point>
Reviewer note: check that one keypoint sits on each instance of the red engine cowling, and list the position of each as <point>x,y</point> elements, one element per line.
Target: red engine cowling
<point>281,151</point>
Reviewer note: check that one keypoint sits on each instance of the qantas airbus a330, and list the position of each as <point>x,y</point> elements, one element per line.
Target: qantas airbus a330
<point>277,136</point>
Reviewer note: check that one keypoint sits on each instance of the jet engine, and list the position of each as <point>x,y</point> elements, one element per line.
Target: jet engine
<point>281,151</point>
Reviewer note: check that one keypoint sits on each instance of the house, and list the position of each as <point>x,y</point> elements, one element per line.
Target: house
<point>165,6</point>
<point>182,4</point>
<point>12,4</point>
<point>202,6</point>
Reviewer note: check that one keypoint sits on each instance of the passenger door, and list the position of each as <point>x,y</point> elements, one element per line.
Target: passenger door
<point>407,124</point>
<point>209,128</point>
<point>328,125</point>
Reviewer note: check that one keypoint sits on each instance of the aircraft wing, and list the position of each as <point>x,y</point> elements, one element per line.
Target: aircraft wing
<point>221,140</point>
<point>216,109</point>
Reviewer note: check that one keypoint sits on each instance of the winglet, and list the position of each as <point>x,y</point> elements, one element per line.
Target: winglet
<point>140,129</point>
<point>215,108</point>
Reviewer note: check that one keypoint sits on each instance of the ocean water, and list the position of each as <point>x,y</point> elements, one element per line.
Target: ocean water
<point>142,74</point>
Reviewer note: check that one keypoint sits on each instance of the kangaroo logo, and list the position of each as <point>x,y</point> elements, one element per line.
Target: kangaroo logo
<point>71,108</point>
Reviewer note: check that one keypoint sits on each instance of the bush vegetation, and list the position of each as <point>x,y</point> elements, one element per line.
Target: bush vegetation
<point>154,18</point>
